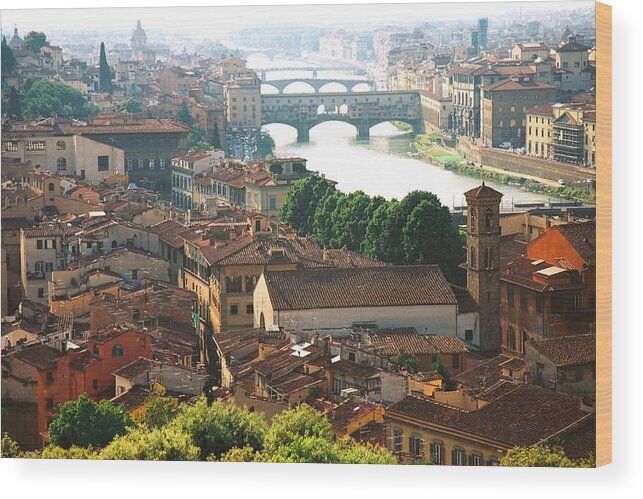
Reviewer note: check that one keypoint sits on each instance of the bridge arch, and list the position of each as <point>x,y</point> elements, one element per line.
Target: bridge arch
<point>272,89</point>
<point>324,89</point>
<point>363,86</point>
<point>311,88</point>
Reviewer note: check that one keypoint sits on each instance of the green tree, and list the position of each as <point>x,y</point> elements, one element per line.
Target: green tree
<point>266,146</point>
<point>34,41</point>
<point>104,72</point>
<point>238,455</point>
<point>543,455</point>
<point>184,115</point>
<point>45,98</point>
<point>429,237</point>
<point>159,444</point>
<point>219,427</point>
<point>85,423</point>
<point>9,447</point>
<point>405,360</point>
<point>302,200</point>
<point>157,411</point>
<point>11,103</point>
<point>352,452</point>
<point>323,228</point>
<point>7,58</point>
<point>129,105</point>
<point>441,368</point>
<point>196,141</point>
<point>74,452</point>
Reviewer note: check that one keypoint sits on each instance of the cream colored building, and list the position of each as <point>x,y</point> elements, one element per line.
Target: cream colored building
<point>243,102</point>
<point>528,52</point>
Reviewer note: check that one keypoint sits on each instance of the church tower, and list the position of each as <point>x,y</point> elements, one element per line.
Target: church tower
<point>483,262</point>
<point>139,40</point>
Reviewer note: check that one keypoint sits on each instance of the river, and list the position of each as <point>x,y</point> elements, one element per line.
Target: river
<point>379,165</point>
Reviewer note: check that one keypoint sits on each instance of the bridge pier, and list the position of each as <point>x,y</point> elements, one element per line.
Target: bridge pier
<point>303,134</point>
<point>363,131</point>
<point>263,75</point>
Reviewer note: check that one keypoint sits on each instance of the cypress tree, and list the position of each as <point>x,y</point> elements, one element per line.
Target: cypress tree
<point>104,73</point>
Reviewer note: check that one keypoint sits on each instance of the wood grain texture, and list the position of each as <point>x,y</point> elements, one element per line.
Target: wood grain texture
<point>604,234</point>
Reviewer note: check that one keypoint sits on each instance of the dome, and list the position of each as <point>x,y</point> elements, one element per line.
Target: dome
<point>16,41</point>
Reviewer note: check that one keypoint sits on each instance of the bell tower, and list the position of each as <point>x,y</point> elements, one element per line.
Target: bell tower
<point>483,262</point>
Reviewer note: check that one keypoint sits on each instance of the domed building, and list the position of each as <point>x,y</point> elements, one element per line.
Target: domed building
<point>139,40</point>
<point>16,42</point>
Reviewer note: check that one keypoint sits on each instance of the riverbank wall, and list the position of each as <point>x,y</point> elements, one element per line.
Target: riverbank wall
<point>524,165</point>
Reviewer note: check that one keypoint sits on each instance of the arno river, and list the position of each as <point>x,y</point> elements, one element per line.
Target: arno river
<point>380,165</point>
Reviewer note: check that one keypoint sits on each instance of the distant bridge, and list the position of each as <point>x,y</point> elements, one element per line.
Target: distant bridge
<point>263,72</point>
<point>317,83</point>
<point>363,110</point>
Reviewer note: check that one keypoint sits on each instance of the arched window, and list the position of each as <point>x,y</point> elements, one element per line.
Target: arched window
<point>51,187</point>
<point>472,257</point>
<point>488,219</point>
<point>61,145</point>
<point>114,244</point>
<point>511,338</point>
<point>117,350</point>
<point>525,338</point>
<point>262,321</point>
<point>61,164</point>
<point>473,219</point>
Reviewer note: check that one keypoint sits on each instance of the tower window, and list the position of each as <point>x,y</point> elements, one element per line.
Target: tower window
<point>472,256</point>
<point>488,219</point>
<point>473,220</point>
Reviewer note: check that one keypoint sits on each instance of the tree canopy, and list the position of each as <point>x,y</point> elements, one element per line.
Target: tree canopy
<point>416,230</point>
<point>85,423</point>
<point>159,444</point>
<point>405,360</point>
<point>7,58</point>
<point>34,41</point>
<point>104,72</point>
<point>196,141</point>
<point>42,98</point>
<point>543,455</point>
<point>129,105</point>
<point>184,115</point>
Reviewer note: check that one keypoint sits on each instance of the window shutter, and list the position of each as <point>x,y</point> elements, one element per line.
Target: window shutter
<point>470,459</point>
<point>432,453</point>
<point>453,461</point>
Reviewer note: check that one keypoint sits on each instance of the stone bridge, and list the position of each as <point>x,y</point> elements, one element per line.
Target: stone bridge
<point>317,83</point>
<point>363,110</point>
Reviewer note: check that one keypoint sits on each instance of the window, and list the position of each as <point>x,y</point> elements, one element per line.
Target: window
<point>50,403</point>
<point>468,334</point>
<point>472,258</point>
<point>272,202</point>
<point>415,445</point>
<point>10,146</point>
<point>103,163</point>
<point>60,145</point>
<point>95,350</point>
<point>472,217</point>
<point>476,459</point>
<point>39,244</point>
<point>117,350</point>
<point>61,164</point>
<point>134,273</point>
<point>523,300</point>
<point>50,377</point>
<point>36,145</point>
<point>510,295</point>
<point>575,303</point>
<point>456,361</point>
<point>233,284</point>
<point>539,304</point>
<point>250,283</point>
<point>397,440</point>
<point>458,457</point>
<point>511,338</point>
<point>51,186</point>
<point>234,309</point>
<point>95,384</point>
<point>540,372</point>
<point>41,292</point>
<point>488,219</point>
<point>250,309</point>
<point>437,452</point>
<point>352,357</point>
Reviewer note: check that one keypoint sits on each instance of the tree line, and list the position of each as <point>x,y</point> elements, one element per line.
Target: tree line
<point>84,429</point>
<point>418,229</point>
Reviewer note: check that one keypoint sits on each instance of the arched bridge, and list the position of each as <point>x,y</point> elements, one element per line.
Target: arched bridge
<point>317,83</point>
<point>361,109</point>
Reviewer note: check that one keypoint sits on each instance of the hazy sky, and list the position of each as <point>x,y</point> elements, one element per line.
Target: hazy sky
<point>212,22</point>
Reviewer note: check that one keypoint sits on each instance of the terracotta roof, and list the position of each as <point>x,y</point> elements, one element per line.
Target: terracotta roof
<point>134,369</point>
<point>229,341</point>
<point>512,85</point>
<point>84,360</point>
<point>572,47</point>
<point>279,359</point>
<point>113,331</point>
<point>582,236</point>
<point>520,417</point>
<point>348,368</point>
<point>483,375</point>
<point>294,381</point>
<point>132,399</point>
<point>350,410</point>
<point>568,350</point>
<point>50,230</point>
<point>99,127</point>
<point>446,344</point>
<point>362,287</point>
<point>483,191</point>
<point>466,303</point>
<point>40,356</point>
<point>545,110</point>
<point>580,441</point>
<point>391,341</point>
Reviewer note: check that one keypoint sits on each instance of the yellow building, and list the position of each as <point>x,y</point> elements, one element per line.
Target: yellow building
<point>423,430</point>
<point>563,132</point>
<point>243,101</point>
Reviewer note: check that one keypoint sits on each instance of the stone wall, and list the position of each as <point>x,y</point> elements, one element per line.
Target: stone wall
<point>524,165</point>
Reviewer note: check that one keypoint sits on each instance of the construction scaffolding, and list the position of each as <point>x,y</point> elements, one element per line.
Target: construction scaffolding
<point>568,142</point>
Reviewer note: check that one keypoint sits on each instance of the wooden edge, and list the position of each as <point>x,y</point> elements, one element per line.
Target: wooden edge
<point>604,234</point>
